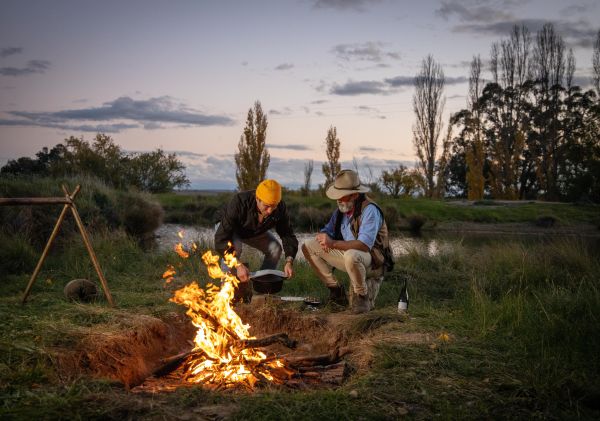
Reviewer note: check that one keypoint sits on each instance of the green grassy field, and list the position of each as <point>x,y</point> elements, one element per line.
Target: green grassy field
<point>507,331</point>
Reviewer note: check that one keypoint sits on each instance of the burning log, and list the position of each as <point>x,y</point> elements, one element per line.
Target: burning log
<point>172,363</point>
<point>282,338</point>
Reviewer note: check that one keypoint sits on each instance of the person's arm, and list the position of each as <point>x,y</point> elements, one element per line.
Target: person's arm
<point>288,238</point>
<point>227,226</point>
<point>370,224</point>
<point>328,243</point>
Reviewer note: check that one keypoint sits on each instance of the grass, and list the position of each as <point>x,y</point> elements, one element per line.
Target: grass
<point>508,331</point>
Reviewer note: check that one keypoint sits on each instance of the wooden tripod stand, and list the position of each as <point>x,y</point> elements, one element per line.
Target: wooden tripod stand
<point>69,204</point>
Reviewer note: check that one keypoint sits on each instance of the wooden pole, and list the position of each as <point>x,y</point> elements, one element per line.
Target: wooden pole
<point>90,250</point>
<point>61,217</point>
<point>17,201</point>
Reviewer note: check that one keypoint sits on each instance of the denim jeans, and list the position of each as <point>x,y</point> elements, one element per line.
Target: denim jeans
<point>266,243</point>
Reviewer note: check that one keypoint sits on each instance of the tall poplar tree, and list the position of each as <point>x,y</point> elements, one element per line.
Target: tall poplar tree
<point>332,149</point>
<point>428,105</point>
<point>253,158</point>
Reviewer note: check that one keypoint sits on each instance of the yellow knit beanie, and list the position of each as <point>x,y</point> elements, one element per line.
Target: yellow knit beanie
<point>269,192</point>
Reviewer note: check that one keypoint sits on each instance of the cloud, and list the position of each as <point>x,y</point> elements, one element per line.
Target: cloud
<point>400,81</point>
<point>293,147</point>
<point>5,52</point>
<point>150,114</point>
<point>356,5</point>
<point>285,66</point>
<point>579,33</point>
<point>574,9</point>
<point>283,112</point>
<point>33,66</point>
<point>476,12</point>
<point>98,128</point>
<point>352,88</point>
<point>387,87</point>
<point>368,51</point>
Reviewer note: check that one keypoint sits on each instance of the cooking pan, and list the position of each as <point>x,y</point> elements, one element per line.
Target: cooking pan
<point>267,281</point>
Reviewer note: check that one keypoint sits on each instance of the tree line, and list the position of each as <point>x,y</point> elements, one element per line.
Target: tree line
<point>153,172</point>
<point>530,132</point>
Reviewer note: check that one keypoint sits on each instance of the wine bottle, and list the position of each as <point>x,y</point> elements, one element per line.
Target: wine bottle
<point>403,299</point>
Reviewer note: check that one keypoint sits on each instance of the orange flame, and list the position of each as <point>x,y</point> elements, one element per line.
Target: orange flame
<point>180,251</point>
<point>219,359</point>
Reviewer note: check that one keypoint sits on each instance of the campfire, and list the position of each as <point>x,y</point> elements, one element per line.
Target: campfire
<point>225,355</point>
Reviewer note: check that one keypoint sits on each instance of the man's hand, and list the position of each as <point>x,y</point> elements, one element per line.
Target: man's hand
<point>242,273</point>
<point>325,241</point>
<point>288,269</point>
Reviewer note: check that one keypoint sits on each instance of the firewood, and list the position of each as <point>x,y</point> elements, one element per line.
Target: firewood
<point>311,360</point>
<point>282,338</point>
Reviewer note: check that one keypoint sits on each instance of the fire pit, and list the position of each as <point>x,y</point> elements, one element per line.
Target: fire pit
<point>225,355</point>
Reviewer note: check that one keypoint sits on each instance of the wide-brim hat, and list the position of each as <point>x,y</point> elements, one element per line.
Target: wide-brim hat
<point>346,182</point>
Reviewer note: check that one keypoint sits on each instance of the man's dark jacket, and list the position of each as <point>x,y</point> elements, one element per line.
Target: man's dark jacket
<point>241,217</point>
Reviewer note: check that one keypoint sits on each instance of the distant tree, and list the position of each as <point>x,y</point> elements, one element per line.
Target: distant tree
<point>156,172</point>
<point>332,149</point>
<point>308,170</point>
<point>549,67</point>
<point>428,105</point>
<point>442,164</point>
<point>253,158</point>
<point>504,103</point>
<point>596,64</point>
<point>475,153</point>
<point>399,181</point>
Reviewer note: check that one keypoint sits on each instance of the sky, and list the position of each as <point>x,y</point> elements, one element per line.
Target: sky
<point>182,75</point>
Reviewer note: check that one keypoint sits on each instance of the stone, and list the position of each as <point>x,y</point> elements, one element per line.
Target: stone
<point>82,290</point>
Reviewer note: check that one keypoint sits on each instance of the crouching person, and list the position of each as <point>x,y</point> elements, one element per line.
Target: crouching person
<point>355,240</point>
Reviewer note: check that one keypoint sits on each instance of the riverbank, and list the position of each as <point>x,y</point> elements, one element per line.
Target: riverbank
<point>518,228</point>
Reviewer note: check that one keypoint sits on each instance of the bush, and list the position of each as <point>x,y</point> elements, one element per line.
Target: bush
<point>140,216</point>
<point>100,207</point>
<point>415,223</point>
<point>310,219</point>
<point>390,213</point>
<point>16,254</point>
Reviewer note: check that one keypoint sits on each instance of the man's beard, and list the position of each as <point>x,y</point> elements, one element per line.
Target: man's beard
<point>345,207</point>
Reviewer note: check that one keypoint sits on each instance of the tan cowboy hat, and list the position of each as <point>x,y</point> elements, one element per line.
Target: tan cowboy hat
<point>346,182</point>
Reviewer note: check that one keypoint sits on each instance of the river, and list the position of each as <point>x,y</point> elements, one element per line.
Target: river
<point>430,243</point>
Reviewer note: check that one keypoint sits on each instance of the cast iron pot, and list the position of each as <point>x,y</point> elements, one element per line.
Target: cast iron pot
<point>267,281</point>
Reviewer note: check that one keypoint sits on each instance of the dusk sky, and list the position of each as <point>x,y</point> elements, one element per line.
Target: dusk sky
<point>181,75</point>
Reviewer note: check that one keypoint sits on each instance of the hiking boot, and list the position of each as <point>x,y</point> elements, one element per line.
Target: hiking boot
<point>338,296</point>
<point>360,304</point>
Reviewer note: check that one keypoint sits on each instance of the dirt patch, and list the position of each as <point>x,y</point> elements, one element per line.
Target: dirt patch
<point>127,351</point>
<point>130,352</point>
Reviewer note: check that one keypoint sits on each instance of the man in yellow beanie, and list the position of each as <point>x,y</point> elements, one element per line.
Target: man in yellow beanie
<point>248,219</point>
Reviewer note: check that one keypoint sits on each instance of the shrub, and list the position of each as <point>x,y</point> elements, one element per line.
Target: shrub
<point>311,219</point>
<point>140,215</point>
<point>390,213</point>
<point>16,254</point>
<point>415,223</point>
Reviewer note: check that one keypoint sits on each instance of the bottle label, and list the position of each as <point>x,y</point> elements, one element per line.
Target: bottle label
<point>402,306</point>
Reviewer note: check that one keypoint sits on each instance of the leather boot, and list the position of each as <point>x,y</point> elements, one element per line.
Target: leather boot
<point>360,304</point>
<point>338,296</point>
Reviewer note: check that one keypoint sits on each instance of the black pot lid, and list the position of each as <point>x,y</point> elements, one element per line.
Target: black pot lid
<point>269,275</point>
